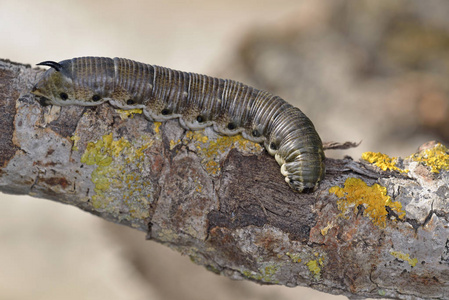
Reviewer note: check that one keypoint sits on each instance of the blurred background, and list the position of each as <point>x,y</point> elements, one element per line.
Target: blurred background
<point>370,71</point>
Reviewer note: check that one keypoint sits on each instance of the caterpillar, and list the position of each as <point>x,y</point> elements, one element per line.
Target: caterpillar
<point>198,101</point>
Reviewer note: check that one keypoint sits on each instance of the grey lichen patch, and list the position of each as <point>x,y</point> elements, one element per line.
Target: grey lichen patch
<point>166,235</point>
<point>41,157</point>
<point>254,239</point>
<point>272,250</point>
<point>429,169</point>
<point>188,214</point>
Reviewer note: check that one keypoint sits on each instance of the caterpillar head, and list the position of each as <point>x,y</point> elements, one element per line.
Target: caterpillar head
<point>56,87</point>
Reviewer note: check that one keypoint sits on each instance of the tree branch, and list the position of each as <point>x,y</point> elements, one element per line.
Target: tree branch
<point>222,200</point>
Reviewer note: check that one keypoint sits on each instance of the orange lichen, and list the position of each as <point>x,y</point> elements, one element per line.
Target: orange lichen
<point>437,158</point>
<point>374,199</point>
<point>383,161</point>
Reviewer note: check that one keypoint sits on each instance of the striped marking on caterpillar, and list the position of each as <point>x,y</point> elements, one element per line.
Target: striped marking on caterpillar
<point>198,101</point>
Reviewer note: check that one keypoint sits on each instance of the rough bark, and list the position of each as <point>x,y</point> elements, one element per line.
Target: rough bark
<point>223,202</point>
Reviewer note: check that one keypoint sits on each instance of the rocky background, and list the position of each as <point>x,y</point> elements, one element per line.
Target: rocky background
<point>370,71</point>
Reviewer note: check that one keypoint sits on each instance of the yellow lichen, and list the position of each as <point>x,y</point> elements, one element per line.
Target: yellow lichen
<point>326,229</point>
<point>265,274</point>
<point>112,179</point>
<point>75,140</point>
<point>102,151</point>
<point>295,257</point>
<point>315,265</point>
<point>125,113</point>
<point>404,257</point>
<point>383,161</point>
<point>209,148</point>
<point>374,199</point>
<point>157,126</point>
<point>314,268</point>
<point>173,143</point>
<point>199,188</point>
<point>436,158</point>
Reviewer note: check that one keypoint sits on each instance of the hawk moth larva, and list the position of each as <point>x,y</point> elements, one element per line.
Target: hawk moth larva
<point>198,101</point>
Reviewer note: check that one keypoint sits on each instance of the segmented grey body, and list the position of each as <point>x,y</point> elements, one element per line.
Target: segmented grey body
<point>198,101</point>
